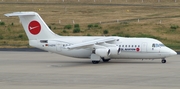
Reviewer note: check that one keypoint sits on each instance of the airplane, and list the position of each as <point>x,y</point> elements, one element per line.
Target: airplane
<point>96,48</point>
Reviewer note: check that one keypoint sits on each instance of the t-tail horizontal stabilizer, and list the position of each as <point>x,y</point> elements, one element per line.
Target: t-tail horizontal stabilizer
<point>33,25</point>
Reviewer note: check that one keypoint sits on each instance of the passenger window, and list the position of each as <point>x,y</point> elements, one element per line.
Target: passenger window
<point>126,45</point>
<point>129,46</point>
<point>119,45</point>
<point>122,45</point>
<point>132,45</point>
<point>135,45</point>
<point>138,45</point>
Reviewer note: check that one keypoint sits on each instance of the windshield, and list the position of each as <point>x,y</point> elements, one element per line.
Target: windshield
<point>161,45</point>
<point>157,45</point>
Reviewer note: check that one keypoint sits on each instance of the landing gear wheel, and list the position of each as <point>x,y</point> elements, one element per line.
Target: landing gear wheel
<point>105,60</point>
<point>95,62</point>
<point>163,60</point>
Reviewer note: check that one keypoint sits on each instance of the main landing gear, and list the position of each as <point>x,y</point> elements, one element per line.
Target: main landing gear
<point>95,62</point>
<point>95,58</point>
<point>105,60</point>
<point>163,60</point>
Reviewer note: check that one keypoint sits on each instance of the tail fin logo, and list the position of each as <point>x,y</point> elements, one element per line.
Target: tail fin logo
<point>34,27</point>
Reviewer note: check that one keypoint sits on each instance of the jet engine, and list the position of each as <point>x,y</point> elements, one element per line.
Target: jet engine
<point>103,52</point>
<point>115,50</point>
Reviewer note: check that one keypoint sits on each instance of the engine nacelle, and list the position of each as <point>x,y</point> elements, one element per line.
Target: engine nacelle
<point>115,50</point>
<point>103,52</point>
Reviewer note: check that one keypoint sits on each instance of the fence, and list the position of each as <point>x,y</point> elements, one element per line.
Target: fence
<point>89,1</point>
<point>109,21</point>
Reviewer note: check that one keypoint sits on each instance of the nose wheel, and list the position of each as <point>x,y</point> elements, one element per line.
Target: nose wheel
<point>163,60</point>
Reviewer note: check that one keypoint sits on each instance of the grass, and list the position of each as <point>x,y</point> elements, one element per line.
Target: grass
<point>119,20</point>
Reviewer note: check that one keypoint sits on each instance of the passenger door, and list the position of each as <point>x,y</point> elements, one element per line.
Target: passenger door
<point>144,47</point>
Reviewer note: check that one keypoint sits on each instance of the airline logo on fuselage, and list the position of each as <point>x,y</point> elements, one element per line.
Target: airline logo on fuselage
<point>131,49</point>
<point>34,27</point>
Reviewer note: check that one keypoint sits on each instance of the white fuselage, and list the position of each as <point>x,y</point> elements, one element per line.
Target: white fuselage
<point>131,48</point>
<point>95,48</point>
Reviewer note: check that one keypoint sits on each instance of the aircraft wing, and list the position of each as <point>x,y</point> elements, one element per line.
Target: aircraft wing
<point>90,43</point>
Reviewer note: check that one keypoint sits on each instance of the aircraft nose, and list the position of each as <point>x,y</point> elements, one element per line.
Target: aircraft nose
<point>168,51</point>
<point>172,52</point>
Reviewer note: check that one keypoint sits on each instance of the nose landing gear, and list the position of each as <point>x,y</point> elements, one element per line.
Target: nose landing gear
<point>163,60</point>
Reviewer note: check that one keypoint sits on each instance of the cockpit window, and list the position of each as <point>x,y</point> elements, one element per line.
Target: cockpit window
<point>153,45</point>
<point>157,45</point>
<point>161,45</point>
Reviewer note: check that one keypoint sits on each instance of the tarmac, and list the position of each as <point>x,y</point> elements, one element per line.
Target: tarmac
<point>44,70</point>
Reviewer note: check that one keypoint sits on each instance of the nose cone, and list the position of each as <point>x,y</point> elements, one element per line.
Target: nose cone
<point>167,52</point>
<point>172,52</point>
